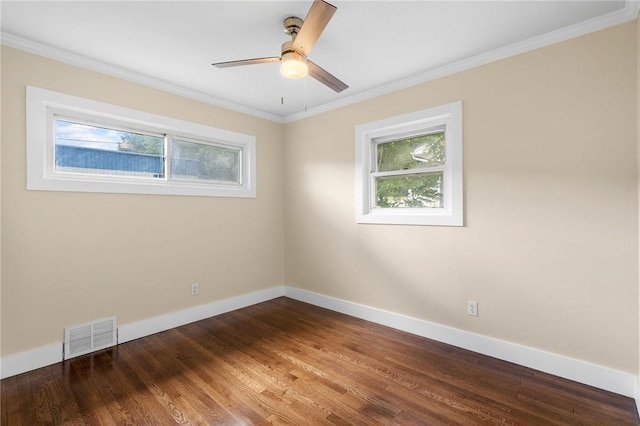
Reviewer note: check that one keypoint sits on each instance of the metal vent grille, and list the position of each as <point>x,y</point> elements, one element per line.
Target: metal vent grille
<point>90,337</point>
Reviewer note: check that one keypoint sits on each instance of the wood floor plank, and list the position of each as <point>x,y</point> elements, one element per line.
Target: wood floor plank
<point>209,362</point>
<point>91,406</point>
<point>372,405</point>
<point>370,367</point>
<point>268,382</point>
<point>166,386</point>
<point>284,362</point>
<point>11,399</point>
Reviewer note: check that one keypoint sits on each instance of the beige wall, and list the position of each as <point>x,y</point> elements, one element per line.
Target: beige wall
<point>550,246</point>
<point>69,258</point>
<point>0,208</point>
<point>638,163</point>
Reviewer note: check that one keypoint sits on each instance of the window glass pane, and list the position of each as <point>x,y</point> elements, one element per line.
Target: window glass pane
<point>197,161</point>
<point>83,148</point>
<point>411,153</point>
<point>422,190</point>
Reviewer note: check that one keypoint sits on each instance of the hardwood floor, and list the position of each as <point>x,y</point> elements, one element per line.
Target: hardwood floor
<point>286,362</point>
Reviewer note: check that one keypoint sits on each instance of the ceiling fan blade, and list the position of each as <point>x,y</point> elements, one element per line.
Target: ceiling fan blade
<point>246,62</point>
<point>325,78</point>
<point>315,22</point>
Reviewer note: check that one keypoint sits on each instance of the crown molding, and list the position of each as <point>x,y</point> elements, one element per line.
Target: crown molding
<point>632,7</point>
<point>29,46</point>
<point>628,13</point>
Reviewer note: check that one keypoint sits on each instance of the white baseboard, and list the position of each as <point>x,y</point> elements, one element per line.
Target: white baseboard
<point>47,355</point>
<point>605,378</point>
<point>637,394</point>
<point>580,371</point>
<point>160,323</point>
<point>30,360</point>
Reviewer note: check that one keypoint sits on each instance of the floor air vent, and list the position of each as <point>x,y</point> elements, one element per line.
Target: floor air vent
<point>90,337</point>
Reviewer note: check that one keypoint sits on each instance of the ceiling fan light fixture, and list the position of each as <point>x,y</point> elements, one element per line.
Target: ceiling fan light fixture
<point>294,52</point>
<point>293,65</point>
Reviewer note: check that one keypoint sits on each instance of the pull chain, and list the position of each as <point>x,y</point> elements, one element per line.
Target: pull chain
<point>305,94</point>
<point>281,89</point>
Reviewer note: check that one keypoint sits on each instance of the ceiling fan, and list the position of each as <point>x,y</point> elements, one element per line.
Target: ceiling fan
<point>293,59</point>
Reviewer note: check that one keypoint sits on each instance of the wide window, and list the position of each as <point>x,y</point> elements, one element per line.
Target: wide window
<point>92,149</point>
<point>409,168</point>
<point>76,144</point>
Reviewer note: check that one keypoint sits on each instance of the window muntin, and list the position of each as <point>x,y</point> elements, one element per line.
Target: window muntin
<point>130,151</point>
<point>409,168</point>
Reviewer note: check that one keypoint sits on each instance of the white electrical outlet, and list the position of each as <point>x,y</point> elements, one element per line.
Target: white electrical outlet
<point>472,308</point>
<point>194,289</point>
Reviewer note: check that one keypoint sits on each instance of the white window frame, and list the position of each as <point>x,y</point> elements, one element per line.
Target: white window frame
<point>417,123</point>
<point>43,105</point>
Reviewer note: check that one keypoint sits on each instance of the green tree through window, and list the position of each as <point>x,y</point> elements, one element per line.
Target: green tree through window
<point>141,144</point>
<point>425,155</point>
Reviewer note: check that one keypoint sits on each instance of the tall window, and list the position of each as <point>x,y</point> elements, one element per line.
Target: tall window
<point>76,144</point>
<point>409,168</point>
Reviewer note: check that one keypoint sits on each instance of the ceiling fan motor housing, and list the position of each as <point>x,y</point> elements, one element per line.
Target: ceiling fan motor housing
<point>293,64</point>
<point>286,48</point>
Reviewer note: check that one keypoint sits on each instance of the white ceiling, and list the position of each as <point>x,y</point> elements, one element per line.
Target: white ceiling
<point>373,46</point>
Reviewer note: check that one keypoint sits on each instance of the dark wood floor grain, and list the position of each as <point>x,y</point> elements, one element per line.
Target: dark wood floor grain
<point>284,362</point>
